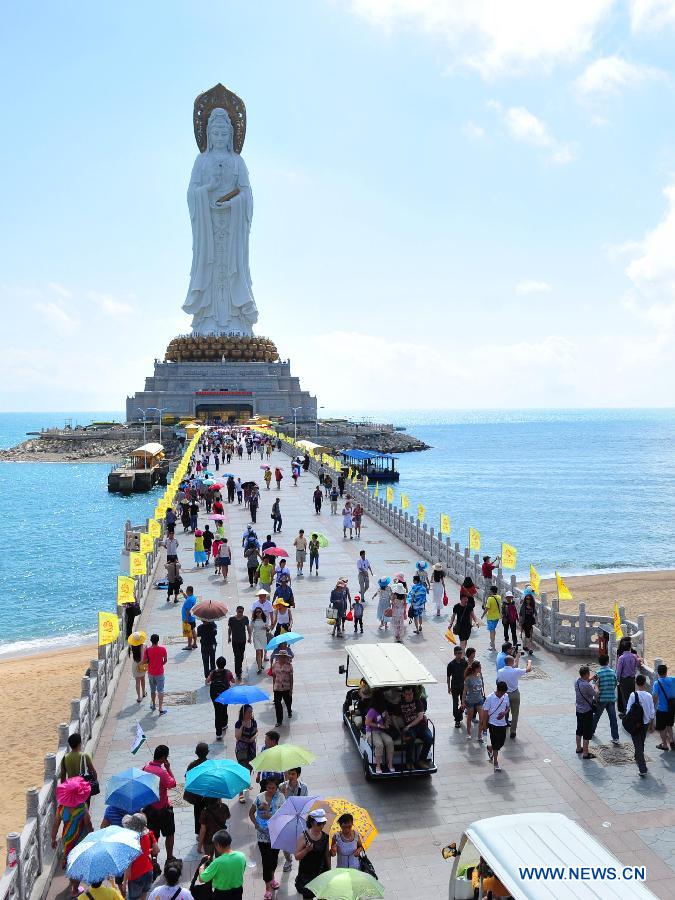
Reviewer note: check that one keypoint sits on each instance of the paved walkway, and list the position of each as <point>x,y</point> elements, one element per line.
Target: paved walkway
<point>635,818</point>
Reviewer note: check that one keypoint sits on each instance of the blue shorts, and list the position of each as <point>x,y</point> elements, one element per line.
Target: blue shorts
<point>492,624</point>
<point>139,886</point>
<point>156,683</point>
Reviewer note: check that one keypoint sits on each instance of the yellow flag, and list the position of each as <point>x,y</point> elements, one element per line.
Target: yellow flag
<point>154,528</point>
<point>108,628</point>
<point>446,528</point>
<point>421,512</point>
<point>376,492</point>
<point>125,589</point>
<point>535,579</point>
<point>564,593</point>
<point>509,556</point>
<point>349,473</point>
<point>390,495</point>
<point>147,542</point>
<point>137,563</point>
<point>405,503</point>
<point>474,539</point>
<point>618,631</point>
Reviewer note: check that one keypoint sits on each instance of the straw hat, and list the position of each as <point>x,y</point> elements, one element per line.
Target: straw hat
<point>262,593</point>
<point>437,567</point>
<point>137,638</point>
<point>398,589</point>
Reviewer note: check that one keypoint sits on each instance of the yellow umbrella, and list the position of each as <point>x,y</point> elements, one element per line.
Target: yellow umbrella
<point>362,820</point>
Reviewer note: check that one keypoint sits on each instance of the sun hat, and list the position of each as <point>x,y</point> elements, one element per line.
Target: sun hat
<point>73,792</point>
<point>384,582</point>
<point>509,594</point>
<point>343,579</point>
<point>262,593</point>
<point>198,533</point>
<point>398,589</point>
<point>135,822</point>
<point>137,638</point>
<point>280,602</point>
<point>319,815</point>
<point>438,567</point>
<point>421,565</point>
<point>400,576</point>
<point>357,597</point>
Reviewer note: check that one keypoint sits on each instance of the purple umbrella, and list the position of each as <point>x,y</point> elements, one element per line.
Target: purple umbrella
<point>289,821</point>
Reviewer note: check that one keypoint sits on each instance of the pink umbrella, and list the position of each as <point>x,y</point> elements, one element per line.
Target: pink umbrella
<point>264,467</point>
<point>276,551</point>
<point>208,610</point>
<point>73,792</point>
<point>217,517</point>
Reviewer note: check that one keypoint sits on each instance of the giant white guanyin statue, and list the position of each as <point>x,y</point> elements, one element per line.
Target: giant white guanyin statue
<point>220,296</point>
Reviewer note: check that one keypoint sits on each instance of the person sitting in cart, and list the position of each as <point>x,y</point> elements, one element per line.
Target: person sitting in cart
<point>492,886</point>
<point>415,726</point>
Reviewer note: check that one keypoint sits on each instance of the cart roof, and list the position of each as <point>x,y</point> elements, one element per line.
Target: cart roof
<point>389,665</point>
<point>548,840</point>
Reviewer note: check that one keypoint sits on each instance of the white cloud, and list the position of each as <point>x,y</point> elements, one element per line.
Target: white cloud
<point>473,131</point>
<point>611,75</point>
<point>526,128</point>
<point>60,290</point>
<point>652,270</point>
<point>495,36</point>
<point>533,287</point>
<point>109,304</point>
<point>650,15</point>
<point>54,313</point>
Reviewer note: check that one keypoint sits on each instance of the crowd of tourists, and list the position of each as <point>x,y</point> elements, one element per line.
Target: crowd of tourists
<point>485,693</point>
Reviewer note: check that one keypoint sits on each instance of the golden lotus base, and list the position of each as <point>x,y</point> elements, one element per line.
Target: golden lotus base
<point>216,347</point>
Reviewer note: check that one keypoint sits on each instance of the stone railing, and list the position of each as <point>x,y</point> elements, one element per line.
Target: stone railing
<point>31,861</point>
<point>565,630</point>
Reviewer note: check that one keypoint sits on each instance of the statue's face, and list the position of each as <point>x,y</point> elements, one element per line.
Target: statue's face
<point>219,136</point>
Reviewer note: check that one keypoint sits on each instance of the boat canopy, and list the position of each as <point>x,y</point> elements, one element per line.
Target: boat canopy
<point>363,455</point>
<point>148,451</point>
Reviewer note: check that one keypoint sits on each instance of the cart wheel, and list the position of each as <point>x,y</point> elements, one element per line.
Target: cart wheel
<point>366,768</point>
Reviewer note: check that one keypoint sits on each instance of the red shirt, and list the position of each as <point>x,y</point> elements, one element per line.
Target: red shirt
<point>156,657</point>
<point>166,781</point>
<point>142,863</point>
<point>487,569</point>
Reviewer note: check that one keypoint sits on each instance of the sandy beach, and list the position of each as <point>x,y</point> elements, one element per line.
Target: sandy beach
<point>38,689</point>
<point>651,594</point>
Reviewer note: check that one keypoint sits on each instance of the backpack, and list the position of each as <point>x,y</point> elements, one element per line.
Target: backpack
<point>633,720</point>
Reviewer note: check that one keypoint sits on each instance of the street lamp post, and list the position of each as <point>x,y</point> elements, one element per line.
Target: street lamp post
<point>159,411</point>
<point>144,413</point>
<point>296,409</point>
<point>317,421</point>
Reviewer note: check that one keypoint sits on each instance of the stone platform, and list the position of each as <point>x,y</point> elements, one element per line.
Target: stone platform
<point>634,818</point>
<point>232,390</point>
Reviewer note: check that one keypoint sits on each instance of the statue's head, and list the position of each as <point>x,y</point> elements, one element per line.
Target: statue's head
<point>219,131</point>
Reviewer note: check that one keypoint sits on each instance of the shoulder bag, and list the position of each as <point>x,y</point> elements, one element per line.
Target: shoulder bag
<point>670,701</point>
<point>87,775</point>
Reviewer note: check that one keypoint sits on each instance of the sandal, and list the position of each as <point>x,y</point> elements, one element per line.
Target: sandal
<point>662,747</point>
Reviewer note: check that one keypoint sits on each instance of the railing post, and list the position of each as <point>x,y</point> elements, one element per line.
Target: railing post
<point>544,616</point>
<point>513,585</point>
<point>14,859</point>
<point>64,731</point>
<point>555,611</point>
<point>467,557</point>
<point>582,641</point>
<point>641,632</point>
<point>50,765</point>
<point>33,812</point>
<point>75,712</point>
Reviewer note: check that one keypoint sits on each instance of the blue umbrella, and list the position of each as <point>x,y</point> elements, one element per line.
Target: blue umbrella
<point>290,637</point>
<point>132,789</point>
<point>103,853</point>
<point>218,778</point>
<point>240,695</point>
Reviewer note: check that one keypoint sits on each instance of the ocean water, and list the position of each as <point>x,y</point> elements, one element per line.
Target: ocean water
<point>580,491</point>
<point>60,540</point>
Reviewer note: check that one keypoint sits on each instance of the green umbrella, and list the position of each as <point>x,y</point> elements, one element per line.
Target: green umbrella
<point>323,540</point>
<point>345,884</point>
<point>282,758</point>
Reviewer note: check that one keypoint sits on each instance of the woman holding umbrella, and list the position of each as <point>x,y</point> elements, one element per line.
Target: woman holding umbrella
<point>139,875</point>
<point>72,816</point>
<point>262,809</point>
<point>312,852</point>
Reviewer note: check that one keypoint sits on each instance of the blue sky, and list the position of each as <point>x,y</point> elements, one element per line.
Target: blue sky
<point>457,204</point>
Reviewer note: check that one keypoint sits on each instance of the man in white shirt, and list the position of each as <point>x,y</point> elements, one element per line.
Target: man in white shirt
<point>511,675</point>
<point>494,713</point>
<point>282,570</point>
<point>364,571</point>
<point>171,547</point>
<point>646,701</point>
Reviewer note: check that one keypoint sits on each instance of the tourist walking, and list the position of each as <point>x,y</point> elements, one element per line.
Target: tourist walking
<point>312,852</point>
<point>357,517</point>
<point>473,697</point>
<point>198,802</point>
<point>72,818</point>
<point>488,567</point>
<point>511,675</point>
<point>399,611</point>
<point>417,600</point>
<point>239,633</point>
<point>510,618</point>
<point>230,487</point>
<point>160,814</point>
<point>282,685</point>
<point>219,679</point>
<point>239,489</point>
<point>207,537</point>
<point>492,611</point>
<point>252,556</point>
<point>339,602</point>
<point>317,497</point>
<point>493,719</point>
<point>266,571</point>
<point>283,614</point>
<point>643,699</point>
<point>462,619</point>
<point>170,544</point>
<point>139,666</point>
<point>528,619</point>
<point>364,571</point>
<point>207,632</point>
<point>627,665</point>
<point>278,475</point>
<point>188,619</point>
<point>438,591</point>
<point>156,658</point>
<point>276,516</point>
<point>245,734</point>
<point>265,805</point>
<point>314,548</point>
<point>173,579</point>
<point>584,694</point>
<point>213,817</point>
<point>300,544</point>
<point>139,875</point>
<point>455,678</point>
<point>383,594</point>
<point>605,679</point>
<point>225,872</point>
<point>194,513</point>
<point>261,635</point>
<point>267,477</point>
<point>663,694</point>
<point>75,762</point>
<point>253,504</point>
<point>334,496</point>
<point>347,521</point>
<point>200,552</point>
<point>346,845</point>
<point>224,558</point>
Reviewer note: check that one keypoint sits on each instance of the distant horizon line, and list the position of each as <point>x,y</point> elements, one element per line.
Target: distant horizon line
<point>397,410</point>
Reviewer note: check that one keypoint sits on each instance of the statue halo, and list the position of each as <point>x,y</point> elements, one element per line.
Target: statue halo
<point>219,97</point>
